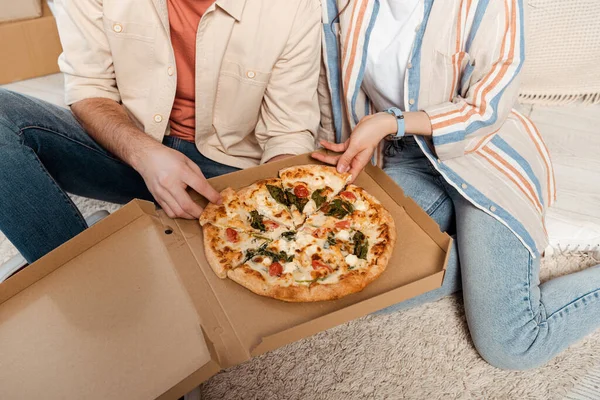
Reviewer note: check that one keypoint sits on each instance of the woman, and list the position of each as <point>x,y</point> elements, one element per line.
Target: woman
<point>427,88</point>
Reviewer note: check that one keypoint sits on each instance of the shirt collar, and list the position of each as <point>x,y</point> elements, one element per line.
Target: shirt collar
<point>235,8</point>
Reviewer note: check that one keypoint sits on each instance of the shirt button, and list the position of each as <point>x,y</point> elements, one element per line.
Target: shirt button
<point>492,209</point>
<point>411,101</point>
<point>118,28</point>
<point>251,74</point>
<point>464,186</point>
<point>170,71</point>
<point>158,118</point>
<point>409,66</point>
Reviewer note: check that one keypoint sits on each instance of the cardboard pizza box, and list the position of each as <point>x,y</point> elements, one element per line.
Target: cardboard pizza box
<point>29,48</point>
<point>11,10</point>
<point>131,309</point>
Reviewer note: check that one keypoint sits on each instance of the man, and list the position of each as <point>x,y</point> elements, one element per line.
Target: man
<point>164,94</point>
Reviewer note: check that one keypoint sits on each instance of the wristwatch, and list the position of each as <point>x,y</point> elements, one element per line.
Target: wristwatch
<point>396,112</point>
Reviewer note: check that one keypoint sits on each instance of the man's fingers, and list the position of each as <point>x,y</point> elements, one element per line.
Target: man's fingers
<point>166,208</point>
<point>189,206</point>
<point>173,204</point>
<point>337,147</point>
<point>196,180</point>
<point>326,158</point>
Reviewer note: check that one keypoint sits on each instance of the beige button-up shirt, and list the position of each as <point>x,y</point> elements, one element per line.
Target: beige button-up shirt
<point>257,70</point>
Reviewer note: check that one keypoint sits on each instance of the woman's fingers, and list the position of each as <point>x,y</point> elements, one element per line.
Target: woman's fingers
<point>326,158</point>
<point>359,162</point>
<point>346,160</point>
<point>337,147</point>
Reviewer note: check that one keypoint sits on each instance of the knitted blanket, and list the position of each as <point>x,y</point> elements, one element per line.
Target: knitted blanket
<point>563,52</point>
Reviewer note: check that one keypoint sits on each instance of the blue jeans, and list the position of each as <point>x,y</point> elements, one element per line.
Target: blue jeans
<point>45,153</point>
<point>515,322</point>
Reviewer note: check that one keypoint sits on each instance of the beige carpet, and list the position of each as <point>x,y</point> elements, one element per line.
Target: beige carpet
<point>423,353</point>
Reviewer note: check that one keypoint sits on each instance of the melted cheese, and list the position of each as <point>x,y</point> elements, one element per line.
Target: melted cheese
<point>361,205</point>
<point>343,235</point>
<point>258,267</point>
<point>310,250</point>
<point>334,182</point>
<point>289,268</point>
<point>310,207</point>
<point>317,220</point>
<point>267,261</point>
<point>302,274</point>
<point>303,239</point>
<point>331,278</point>
<point>351,260</point>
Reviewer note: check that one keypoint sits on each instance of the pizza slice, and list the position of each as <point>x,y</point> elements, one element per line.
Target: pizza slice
<point>228,214</point>
<point>308,187</point>
<point>272,263</point>
<point>262,197</point>
<point>226,248</point>
<point>355,223</point>
<point>243,212</point>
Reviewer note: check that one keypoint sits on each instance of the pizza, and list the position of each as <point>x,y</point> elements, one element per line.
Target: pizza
<point>305,236</point>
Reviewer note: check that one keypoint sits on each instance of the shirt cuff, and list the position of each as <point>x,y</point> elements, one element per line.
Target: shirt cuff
<point>448,137</point>
<point>288,143</point>
<point>75,92</point>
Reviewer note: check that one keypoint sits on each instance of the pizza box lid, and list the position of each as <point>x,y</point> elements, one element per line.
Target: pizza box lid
<point>131,309</point>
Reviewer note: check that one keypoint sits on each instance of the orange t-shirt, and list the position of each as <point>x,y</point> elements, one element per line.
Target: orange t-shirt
<point>184,17</point>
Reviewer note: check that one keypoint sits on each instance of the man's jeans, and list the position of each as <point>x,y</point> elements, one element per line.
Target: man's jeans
<point>515,322</point>
<point>44,153</point>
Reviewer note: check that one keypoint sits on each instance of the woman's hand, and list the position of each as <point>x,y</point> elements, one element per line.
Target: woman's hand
<point>359,148</point>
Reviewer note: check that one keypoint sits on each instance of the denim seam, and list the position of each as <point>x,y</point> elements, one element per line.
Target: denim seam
<point>71,139</point>
<point>177,144</point>
<point>65,198</point>
<point>593,293</point>
<point>436,205</point>
<point>529,263</point>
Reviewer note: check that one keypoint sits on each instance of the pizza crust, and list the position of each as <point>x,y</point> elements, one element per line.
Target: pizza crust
<point>210,252</point>
<point>352,282</point>
<point>213,213</point>
<point>298,173</point>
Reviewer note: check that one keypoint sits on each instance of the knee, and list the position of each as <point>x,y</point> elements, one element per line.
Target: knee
<point>5,101</point>
<point>9,105</point>
<point>505,351</point>
<point>11,108</point>
<point>12,104</point>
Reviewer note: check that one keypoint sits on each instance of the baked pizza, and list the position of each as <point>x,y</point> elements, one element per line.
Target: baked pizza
<point>305,236</point>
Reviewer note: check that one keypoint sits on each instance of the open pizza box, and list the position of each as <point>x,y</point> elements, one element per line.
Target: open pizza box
<point>130,308</point>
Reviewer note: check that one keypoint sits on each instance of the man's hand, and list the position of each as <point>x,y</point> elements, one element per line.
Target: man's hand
<point>280,157</point>
<point>167,174</point>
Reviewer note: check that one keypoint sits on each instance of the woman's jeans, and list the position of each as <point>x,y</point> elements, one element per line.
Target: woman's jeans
<point>45,153</point>
<point>515,322</point>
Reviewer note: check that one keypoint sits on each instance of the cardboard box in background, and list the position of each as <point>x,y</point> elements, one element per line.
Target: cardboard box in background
<point>29,48</point>
<point>131,309</point>
<point>14,10</point>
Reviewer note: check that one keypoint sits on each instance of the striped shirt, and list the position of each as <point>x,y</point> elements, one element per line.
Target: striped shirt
<point>463,72</point>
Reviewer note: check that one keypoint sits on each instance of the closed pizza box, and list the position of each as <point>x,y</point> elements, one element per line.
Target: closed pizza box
<point>130,308</point>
